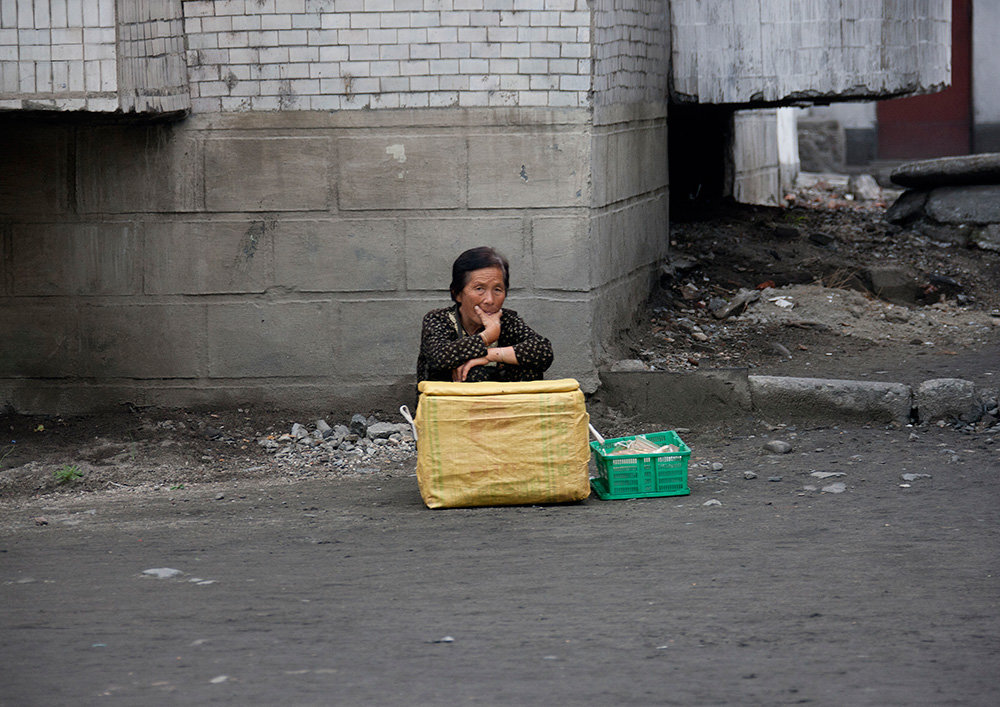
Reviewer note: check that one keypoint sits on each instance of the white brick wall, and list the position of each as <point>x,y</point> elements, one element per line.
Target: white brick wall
<point>771,50</point>
<point>95,55</point>
<point>631,51</point>
<point>59,53</point>
<point>387,53</point>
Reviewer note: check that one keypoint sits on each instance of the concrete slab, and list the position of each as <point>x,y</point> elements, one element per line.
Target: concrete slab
<point>74,259</point>
<point>271,339</point>
<point>267,174</point>
<point>945,171</point>
<point>677,399</point>
<point>401,172</point>
<point>947,398</point>
<point>529,170</point>
<point>141,341</point>
<point>341,255</point>
<point>208,257</point>
<point>432,244</point>
<point>123,169</point>
<point>781,398</point>
<point>39,159</point>
<point>560,254</point>
<point>972,204</point>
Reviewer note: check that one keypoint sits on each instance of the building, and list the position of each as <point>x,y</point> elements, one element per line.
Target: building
<point>962,119</point>
<point>257,200</point>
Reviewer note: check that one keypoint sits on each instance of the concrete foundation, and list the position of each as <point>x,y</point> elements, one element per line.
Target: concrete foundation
<point>288,258</point>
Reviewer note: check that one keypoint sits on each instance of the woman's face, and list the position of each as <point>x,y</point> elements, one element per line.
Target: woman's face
<point>485,288</point>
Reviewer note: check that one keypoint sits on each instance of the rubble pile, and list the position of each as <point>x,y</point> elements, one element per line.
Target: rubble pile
<point>360,446</point>
<point>717,329</point>
<point>951,200</point>
<point>825,279</point>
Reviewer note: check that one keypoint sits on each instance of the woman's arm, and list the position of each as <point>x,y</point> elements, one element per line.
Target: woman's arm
<point>441,348</point>
<point>528,348</point>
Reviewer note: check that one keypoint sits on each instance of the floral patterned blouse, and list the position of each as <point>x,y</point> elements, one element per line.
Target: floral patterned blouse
<point>445,345</point>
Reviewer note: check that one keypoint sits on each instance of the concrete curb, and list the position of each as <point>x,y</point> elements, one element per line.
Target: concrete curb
<point>830,399</point>
<point>686,399</point>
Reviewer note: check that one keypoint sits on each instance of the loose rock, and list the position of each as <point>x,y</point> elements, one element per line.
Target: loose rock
<point>359,425</point>
<point>943,398</point>
<point>777,446</point>
<point>161,572</point>
<point>864,187</point>
<point>323,430</point>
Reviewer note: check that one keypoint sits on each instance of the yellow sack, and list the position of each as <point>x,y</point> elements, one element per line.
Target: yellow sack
<point>492,444</point>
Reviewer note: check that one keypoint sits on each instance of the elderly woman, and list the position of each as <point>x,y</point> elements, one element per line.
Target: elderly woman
<point>476,339</point>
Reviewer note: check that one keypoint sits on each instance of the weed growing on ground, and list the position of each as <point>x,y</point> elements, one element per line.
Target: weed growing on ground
<point>5,452</point>
<point>67,473</point>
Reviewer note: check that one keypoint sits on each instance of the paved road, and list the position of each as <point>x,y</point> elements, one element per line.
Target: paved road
<point>350,591</point>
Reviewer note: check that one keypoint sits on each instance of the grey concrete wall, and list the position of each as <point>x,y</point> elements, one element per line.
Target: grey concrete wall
<point>282,258</point>
<point>782,51</point>
<point>629,223</point>
<point>856,137</point>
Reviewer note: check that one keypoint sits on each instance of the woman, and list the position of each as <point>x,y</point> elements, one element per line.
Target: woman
<point>476,339</point>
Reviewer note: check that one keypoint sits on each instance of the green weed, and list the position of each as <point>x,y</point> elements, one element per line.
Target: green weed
<point>67,473</point>
<point>6,452</point>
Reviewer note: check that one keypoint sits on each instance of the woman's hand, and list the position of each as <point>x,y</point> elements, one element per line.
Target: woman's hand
<point>460,373</point>
<point>491,322</point>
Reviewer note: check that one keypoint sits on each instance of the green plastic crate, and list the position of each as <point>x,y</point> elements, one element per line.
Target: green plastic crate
<point>641,475</point>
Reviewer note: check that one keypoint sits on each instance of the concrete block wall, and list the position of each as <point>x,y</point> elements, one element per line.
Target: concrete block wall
<point>775,51</point>
<point>281,246</point>
<point>276,257</point>
<point>629,229</point>
<point>96,56</point>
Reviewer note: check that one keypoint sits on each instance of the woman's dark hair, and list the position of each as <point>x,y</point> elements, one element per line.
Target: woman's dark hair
<point>477,259</point>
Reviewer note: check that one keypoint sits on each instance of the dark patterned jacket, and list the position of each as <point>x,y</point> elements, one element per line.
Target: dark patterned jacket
<point>445,345</point>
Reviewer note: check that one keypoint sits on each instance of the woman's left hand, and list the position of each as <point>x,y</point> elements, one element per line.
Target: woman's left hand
<point>460,373</point>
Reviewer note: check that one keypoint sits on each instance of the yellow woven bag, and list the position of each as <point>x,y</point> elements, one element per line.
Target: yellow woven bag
<point>490,444</point>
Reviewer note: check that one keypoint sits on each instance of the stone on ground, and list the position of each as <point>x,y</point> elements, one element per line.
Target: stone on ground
<point>964,169</point>
<point>948,398</point>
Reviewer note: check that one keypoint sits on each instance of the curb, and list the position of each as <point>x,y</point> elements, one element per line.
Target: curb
<point>685,399</point>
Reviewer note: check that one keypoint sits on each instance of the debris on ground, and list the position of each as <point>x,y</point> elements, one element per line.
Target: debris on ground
<point>824,279</point>
<point>824,287</point>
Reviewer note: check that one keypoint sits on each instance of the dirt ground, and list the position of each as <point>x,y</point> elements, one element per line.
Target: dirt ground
<point>815,314</point>
<point>829,578</point>
<point>804,263</point>
<point>858,568</point>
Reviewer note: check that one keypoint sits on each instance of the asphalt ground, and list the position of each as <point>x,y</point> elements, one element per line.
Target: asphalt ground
<point>350,591</point>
